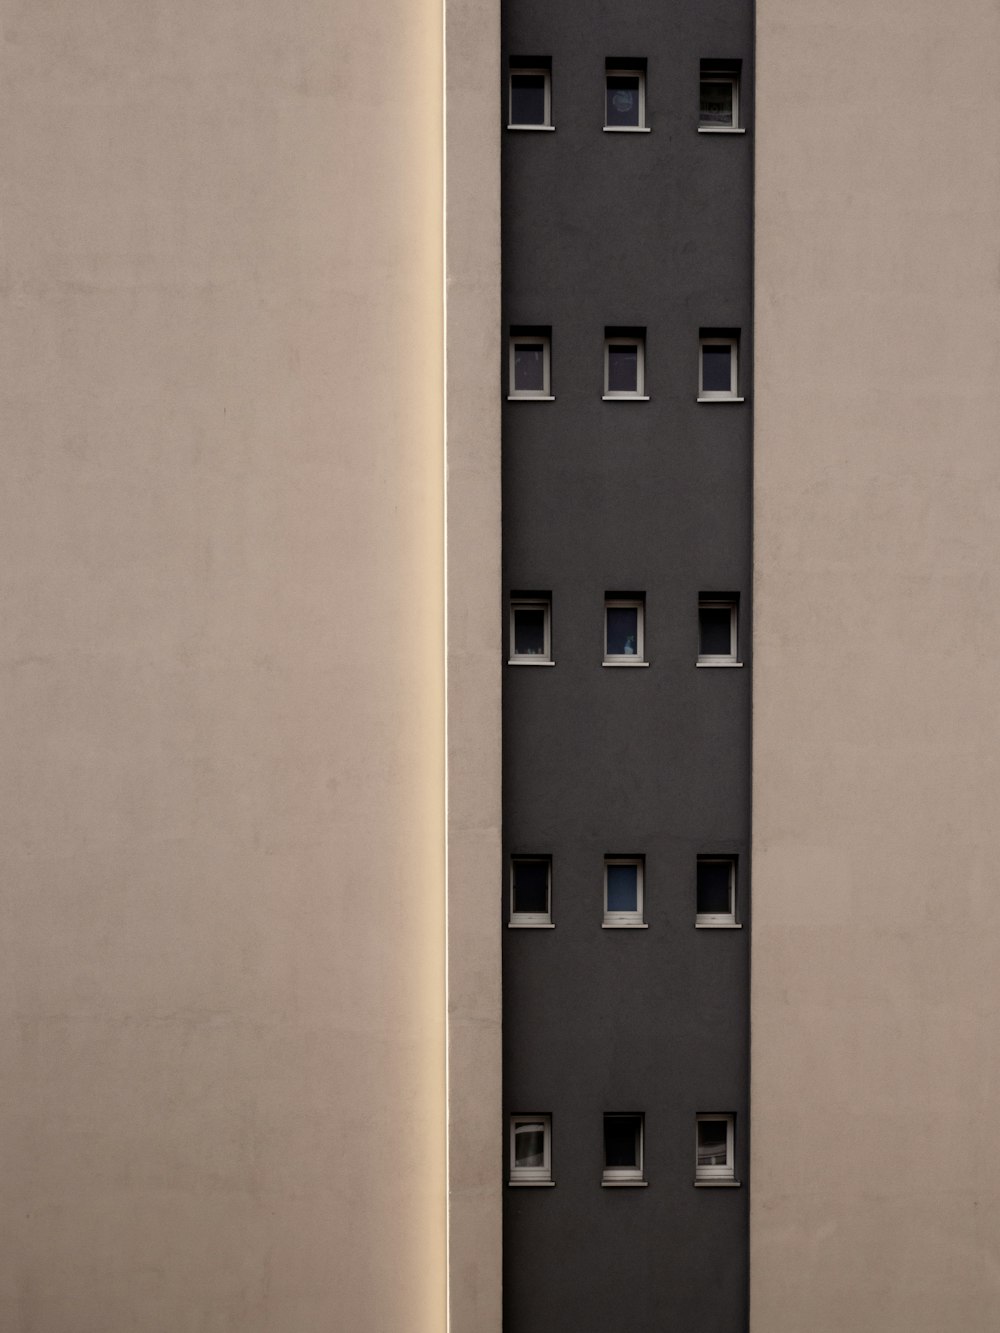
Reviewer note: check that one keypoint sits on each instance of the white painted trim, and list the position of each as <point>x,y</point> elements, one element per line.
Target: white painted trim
<point>537,127</point>
<point>627,129</point>
<point>703,129</point>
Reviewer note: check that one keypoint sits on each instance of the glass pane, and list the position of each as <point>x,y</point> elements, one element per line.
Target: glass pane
<point>527,99</point>
<point>622,99</point>
<point>716,630</point>
<point>531,887</point>
<point>715,888</point>
<point>623,631</point>
<point>623,888</point>
<point>623,369</point>
<point>529,631</point>
<point>621,1140</point>
<point>716,368</point>
<point>712,1142</point>
<point>529,1145</point>
<point>529,368</point>
<point>716,102</point>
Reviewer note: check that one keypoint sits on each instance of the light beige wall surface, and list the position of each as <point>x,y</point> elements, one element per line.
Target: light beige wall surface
<point>221,554</point>
<point>472,500</point>
<point>876,942</point>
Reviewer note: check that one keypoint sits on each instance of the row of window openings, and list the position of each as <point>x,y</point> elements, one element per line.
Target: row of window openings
<point>714,1161</point>
<point>530,95</point>
<point>530,365</point>
<point>624,891</point>
<point>624,630</point>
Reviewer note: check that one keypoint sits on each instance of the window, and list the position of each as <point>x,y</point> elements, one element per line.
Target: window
<point>718,368</point>
<point>531,891</point>
<point>625,95</point>
<point>531,1150</point>
<point>530,630</point>
<point>719,101</point>
<point>623,876</point>
<point>623,630</point>
<point>715,1161</point>
<point>529,364</point>
<point>530,96</point>
<point>625,364</point>
<point>716,891</point>
<point>623,1150</point>
<point>717,622</point>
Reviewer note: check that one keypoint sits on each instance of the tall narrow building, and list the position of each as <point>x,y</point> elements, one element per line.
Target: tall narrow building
<point>627,469</point>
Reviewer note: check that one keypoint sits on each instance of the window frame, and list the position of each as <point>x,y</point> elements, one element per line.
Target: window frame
<point>627,659</point>
<point>626,920</point>
<point>707,603</point>
<point>626,72</point>
<point>530,1175</point>
<point>709,73</point>
<point>531,920</point>
<point>544,395</point>
<point>718,919</point>
<point>717,1175</point>
<point>546,74</point>
<point>617,1176</point>
<point>637,395</point>
<point>732,395</point>
<point>530,659</point>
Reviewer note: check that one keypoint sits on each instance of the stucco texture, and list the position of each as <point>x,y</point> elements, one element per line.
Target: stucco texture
<point>222,976</point>
<point>876,942</point>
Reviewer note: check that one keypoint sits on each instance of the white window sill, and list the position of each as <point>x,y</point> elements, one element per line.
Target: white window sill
<point>531,1184</point>
<point>625,397</point>
<point>531,925</point>
<point>717,129</point>
<point>718,664</point>
<point>527,661</point>
<point>721,398</point>
<point>625,664</point>
<point>717,1184</point>
<point>624,1184</point>
<point>531,127</point>
<point>627,129</point>
<point>531,398</point>
<point>718,925</point>
<point>625,925</point>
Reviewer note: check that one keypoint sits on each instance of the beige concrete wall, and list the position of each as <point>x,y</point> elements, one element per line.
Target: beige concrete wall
<point>222,982</point>
<point>876,940</point>
<point>472,442</point>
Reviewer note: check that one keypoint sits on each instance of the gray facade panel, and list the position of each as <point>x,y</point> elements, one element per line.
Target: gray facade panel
<point>650,230</point>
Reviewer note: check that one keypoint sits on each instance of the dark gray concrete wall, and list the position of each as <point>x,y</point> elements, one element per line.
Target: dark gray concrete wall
<point>653,230</point>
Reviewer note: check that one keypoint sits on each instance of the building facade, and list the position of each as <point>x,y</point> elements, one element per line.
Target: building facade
<point>627,267</point>
<point>267,513</point>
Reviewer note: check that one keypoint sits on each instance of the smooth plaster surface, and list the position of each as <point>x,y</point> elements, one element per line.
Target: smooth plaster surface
<point>876,943</point>
<point>472,499</point>
<point>651,230</point>
<point>222,988</point>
